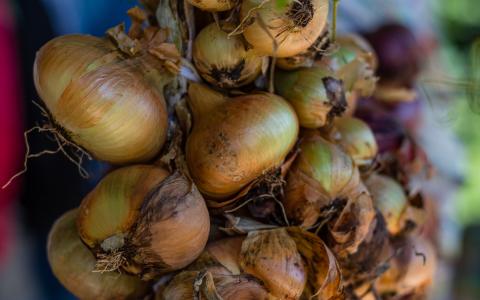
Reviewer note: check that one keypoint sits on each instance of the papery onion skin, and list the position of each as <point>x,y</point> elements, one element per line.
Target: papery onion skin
<point>390,199</point>
<point>224,61</point>
<point>357,139</point>
<point>113,206</point>
<point>321,173</point>
<point>304,89</point>
<point>108,105</point>
<point>292,34</point>
<point>238,140</point>
<point>73,264</point>
<point>213,5</point>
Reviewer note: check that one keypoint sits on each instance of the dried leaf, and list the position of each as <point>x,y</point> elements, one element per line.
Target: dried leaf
<point>125,44</point>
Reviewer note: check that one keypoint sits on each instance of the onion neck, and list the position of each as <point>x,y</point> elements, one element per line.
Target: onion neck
<point>203,100</point>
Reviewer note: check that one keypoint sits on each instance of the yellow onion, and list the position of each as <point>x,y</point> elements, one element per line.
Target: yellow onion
<point>312,93</point>
<point>272,256</point>
<point>390,199</point>
<point>222,60</point>
<point>321,173</point>
<point>110,105</point>
<point>356,137</point>
<point>144,220</point>
<point>234,141</point>
<point>213,5</point>
<point>293,25</point>
<point>74,265</point>
<point>413,269</point>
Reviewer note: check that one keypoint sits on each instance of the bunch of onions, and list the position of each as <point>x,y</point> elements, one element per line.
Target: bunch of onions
<point>390,199</point>
<point>314,94</point>
<point>321,173</point>
<point>236,140</point>
<point>283,29</point>
<point>213,5</point>
<point>356,137</point>
<point>74,264</point>
<point>108,104</point>
<point>412,270</point>
<point>222,60</point>
<point>144,220</point>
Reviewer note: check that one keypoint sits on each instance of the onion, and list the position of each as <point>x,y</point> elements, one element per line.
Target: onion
<point>357,139</point>
<point>321,173</point>
<point>110,105</point>
<point>74,265</point>
<point>222,60</point>
<point>213,5</point>
<point>314,94</point>
<point>390,199</point>
<point>144,220</point>
<point>234,141</point>
<point>294,25</point>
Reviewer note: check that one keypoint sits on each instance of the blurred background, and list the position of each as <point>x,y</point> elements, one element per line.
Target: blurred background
<point>427,41</point>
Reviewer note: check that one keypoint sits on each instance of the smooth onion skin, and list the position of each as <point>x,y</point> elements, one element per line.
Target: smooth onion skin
<point>238,140</point>
<point>105,104</point>
<point>113,206</point>
<point>213,5</point>
<point>357,139</point>
<point>224,61</point>
<point>73,264</point>
<point>291,39</point>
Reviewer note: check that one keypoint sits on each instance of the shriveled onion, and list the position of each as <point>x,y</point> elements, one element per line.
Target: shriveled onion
<point>74,264</point>
<point>390,199</point>
<point>321,173</point>
<point>356,137</point>
<point>110,105</point>
<point>234,141</point>
<point>213,5</point>
<point>293,25</point>
<point>313,93</point>
<point>222,60</point>
<point>144,220</point>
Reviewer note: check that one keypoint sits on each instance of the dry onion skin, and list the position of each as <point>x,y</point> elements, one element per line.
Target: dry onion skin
<point>109,105</point>
<point>321,173</point>
<point>74,264</point>
<point>144,220</point>
<point>236,140</point>
<point>356,137</point>
<point>272,256</point>
<point>292,26</point>
<point>224,61</point>
<point>309,91</point>
<point>213,5</point>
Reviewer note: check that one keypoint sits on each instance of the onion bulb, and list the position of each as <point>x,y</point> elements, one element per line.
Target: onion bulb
<point>144,220</point>
<point>74,265</point>
<point>213,5</point>
<point>313,93</point>
<point>222,60</point>
<point>356,137</point>
<point>293,25</point>
<point>234,141</point>
<point>110,105</point>
<point>321,173</point>
<point>390,199</point>
<point>272,256</point>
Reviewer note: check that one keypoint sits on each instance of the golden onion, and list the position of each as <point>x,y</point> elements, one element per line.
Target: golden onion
<point>222,60</point>
<point>293,25</point>
<point>153,221</point>
<point>309,90</point>
<point>234,141</point>
<point>74,265</point>
<point>213,5</point>
<point>356,137</point>
<point>321,173</point>
<point>110,105</point>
